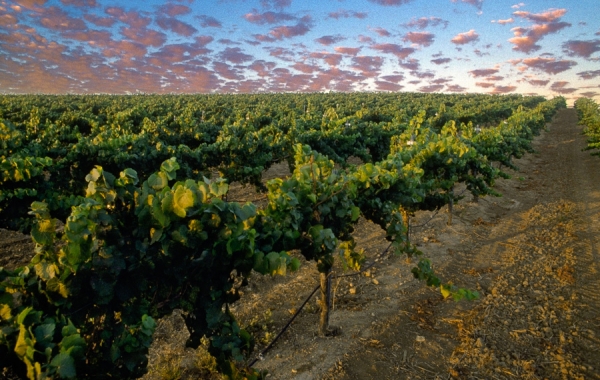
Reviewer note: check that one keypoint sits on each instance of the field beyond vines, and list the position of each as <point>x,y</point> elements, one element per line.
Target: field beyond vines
<point>532,254</point>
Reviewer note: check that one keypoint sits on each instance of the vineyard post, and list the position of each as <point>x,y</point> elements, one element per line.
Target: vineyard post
<point>406,223</point>
<point>450,206</point>
<point>325,280</point>
<point>475,194</point>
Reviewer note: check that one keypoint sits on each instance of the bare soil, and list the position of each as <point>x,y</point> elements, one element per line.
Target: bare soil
<point>532,254</point>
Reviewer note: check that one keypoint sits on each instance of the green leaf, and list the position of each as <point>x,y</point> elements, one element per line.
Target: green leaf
<point>45,270</point>
<point>158,181</point>
<point>155,234</point>
<point>73,343</point>
<point>56,286</point>
<point>64,365</point>
<point>169,167</point>
<point>355,213</point>
<point>294,264</point>
<point>44,333</point>
<point>69,329</point>
<point>43,231</point>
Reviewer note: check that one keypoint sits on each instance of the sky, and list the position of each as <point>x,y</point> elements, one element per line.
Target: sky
<point>542,47</point>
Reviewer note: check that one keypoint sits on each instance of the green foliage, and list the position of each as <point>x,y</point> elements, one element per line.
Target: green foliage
<point>138,245</point>
<point>589,116</point>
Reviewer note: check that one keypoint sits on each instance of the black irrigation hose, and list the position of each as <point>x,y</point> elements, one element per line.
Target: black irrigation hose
<point>362,270</point>
<point>284,329</point>
<point>289,323</point>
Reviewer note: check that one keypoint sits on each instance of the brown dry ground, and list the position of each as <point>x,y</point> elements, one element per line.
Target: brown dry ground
<point>532,254</point>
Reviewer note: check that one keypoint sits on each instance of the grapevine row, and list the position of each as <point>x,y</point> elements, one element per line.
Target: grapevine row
<point>589,116</point>
<point>239,136</point>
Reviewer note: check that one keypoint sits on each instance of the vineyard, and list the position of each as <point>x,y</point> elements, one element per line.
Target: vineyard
<point>127,201</point>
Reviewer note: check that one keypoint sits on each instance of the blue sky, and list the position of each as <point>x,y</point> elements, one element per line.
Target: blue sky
<point>546,47</point>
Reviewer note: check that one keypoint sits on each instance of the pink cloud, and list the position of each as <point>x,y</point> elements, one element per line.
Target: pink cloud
<point>548,16</point>
<point>423,74</point>
<point>304,68</point>
<point>419,38</point>
<point>80,3</point>
<point>455,88</point>
<point>538,82</point>
<point>56,19</point>
<point>329,40</point>
<point>548,65</point>
<point>227,41</point>
<point>397,50</point>
<point>431,88</point>
<point>393,78</point>
<point>144,36</point>
<point>411,64</point>
<point>347,14</point>
<point>134,19</point>
<point>268,17</point>
<point>7,20</point>
<point>381,32</point>
<point>30,4</point>
<point>367,65</point>
<point>425,22</point>
<point>589,74</point>
<point>208,21</point>
<point>262,68</point>
<point>125,50</point>
<point>331,59</point>
<point>277,4</point>
<point>365,39</point>
<point>93,37</point>
<point>390,2</point>
<point>177,53</point>
<point>226,71</point>
<point>176,26</point>
<point>475,3</point>
<point>589,94</point>
<point>585,49</point>
<point>441,61</point>
<point>504,22</point>
<point>388,86</point>
<point>99,21</point>
<point>282,53</point>
<point>299,29</point>
<point>465,38</point>
<point>346,50</point>
<point>479,53</point>
<point>503,89</point>
<point>526,39</point>
<point>234,55</point>
<point>561,87</point>
<point>173,10</point>
<point>483,72</point>
<point>203,40</point>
